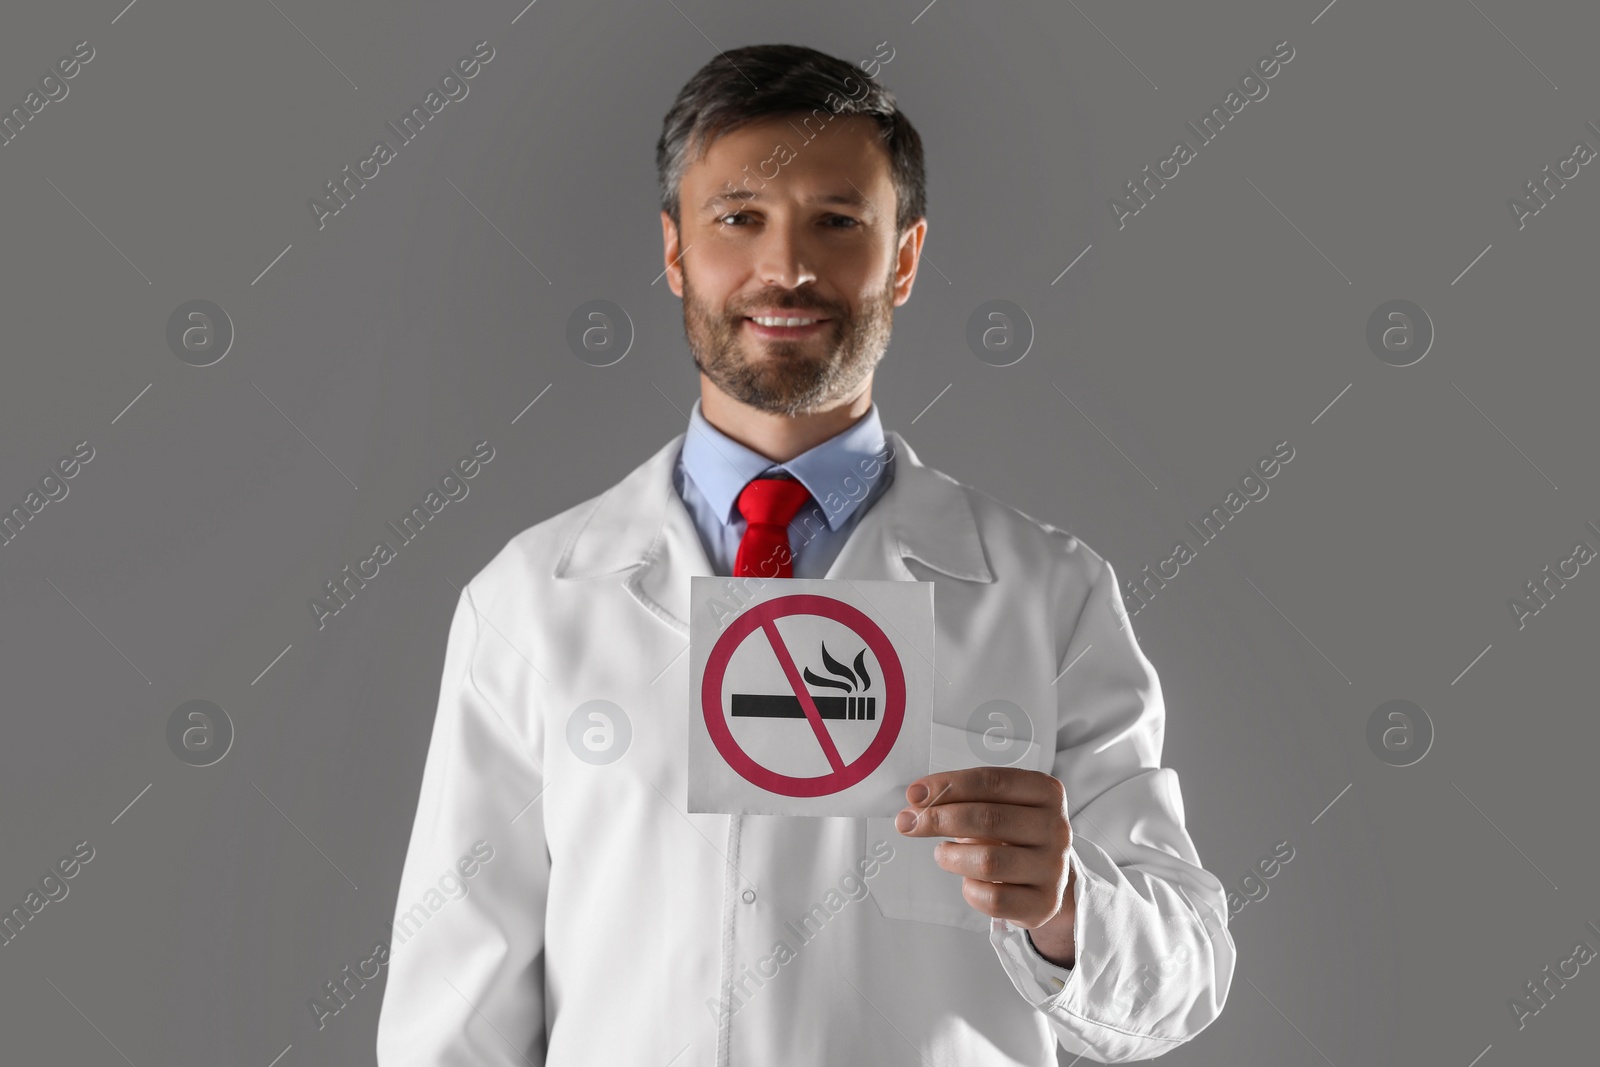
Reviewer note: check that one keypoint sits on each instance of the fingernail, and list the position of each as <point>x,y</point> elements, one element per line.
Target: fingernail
<point>905,821</point>
<point>918,793</point>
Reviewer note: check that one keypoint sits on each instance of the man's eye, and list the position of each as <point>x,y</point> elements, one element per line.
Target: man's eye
<point>733,215</point>
<point>850,222</point>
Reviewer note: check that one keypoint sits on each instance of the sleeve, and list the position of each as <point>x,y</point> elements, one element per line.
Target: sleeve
<point>466,970</point>
<point>1154,959</point>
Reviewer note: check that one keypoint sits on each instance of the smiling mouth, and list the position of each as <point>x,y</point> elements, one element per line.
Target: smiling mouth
<point>780,327</point>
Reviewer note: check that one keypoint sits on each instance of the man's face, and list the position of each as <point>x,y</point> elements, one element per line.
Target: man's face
<point>776,227</point>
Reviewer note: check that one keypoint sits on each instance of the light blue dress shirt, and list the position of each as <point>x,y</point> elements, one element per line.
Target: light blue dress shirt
<point>713,469</point>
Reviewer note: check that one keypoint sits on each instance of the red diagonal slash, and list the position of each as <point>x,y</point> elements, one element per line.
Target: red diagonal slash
<point>802,694</point>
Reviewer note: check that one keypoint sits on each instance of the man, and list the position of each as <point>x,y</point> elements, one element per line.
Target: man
<point>1050,898</point>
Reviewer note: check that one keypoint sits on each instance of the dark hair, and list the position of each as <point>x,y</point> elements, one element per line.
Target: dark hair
<point>758,81</point>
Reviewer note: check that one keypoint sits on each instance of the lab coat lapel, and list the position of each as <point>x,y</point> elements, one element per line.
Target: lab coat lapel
<point>642,526</point>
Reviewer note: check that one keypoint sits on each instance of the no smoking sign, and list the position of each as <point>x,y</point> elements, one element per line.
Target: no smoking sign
<point>808,696</point>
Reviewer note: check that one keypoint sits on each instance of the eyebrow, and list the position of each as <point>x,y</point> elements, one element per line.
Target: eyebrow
<point>846,199</point>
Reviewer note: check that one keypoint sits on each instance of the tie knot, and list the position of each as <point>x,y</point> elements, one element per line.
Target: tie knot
<point>772,501</point>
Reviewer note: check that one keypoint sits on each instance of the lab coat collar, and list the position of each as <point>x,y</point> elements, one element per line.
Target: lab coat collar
<point>642,526</point>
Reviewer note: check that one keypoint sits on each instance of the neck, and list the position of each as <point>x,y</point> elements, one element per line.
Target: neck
<point>780,438</point>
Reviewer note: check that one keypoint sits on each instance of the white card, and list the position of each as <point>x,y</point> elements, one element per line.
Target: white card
<point>808,696</point>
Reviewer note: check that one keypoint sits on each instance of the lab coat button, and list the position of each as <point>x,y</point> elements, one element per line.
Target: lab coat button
<point>749,896</point>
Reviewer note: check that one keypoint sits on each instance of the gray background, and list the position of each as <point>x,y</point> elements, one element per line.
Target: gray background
<point>1225,317</point>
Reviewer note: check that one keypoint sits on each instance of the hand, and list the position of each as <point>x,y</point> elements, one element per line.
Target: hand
<point>1011,836</point>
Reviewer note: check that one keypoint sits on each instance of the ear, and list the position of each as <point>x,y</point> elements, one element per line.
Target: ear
<point>907,257</point>
<point>669,243</point>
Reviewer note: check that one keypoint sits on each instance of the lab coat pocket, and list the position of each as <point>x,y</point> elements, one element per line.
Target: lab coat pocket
<point>911,885</point>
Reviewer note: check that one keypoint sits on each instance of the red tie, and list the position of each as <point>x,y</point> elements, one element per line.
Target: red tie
<point>768,506</point>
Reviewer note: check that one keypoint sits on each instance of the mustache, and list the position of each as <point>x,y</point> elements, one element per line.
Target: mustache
<point>789,302</point>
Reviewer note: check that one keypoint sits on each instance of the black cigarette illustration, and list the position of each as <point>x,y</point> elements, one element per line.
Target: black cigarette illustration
<point>787,705</point>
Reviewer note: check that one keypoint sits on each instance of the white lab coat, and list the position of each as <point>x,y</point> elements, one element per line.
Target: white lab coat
<point>610,927</point>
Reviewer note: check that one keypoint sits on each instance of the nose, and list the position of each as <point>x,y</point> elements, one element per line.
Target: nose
<point>782,258</point>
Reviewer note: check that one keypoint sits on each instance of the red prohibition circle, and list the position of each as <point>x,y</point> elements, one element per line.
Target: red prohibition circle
<point>894,709</point>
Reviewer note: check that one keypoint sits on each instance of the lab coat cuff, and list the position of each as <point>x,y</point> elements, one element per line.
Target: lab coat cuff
<point>1042,983</point>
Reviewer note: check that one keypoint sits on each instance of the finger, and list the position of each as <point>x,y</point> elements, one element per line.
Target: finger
<point>1025,905</point>
<point>995,822</point>
<point>1012,864</point>
<point>1003,785</point>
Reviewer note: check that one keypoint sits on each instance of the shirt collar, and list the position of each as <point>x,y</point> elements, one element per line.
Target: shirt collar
<point>721,467</point>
